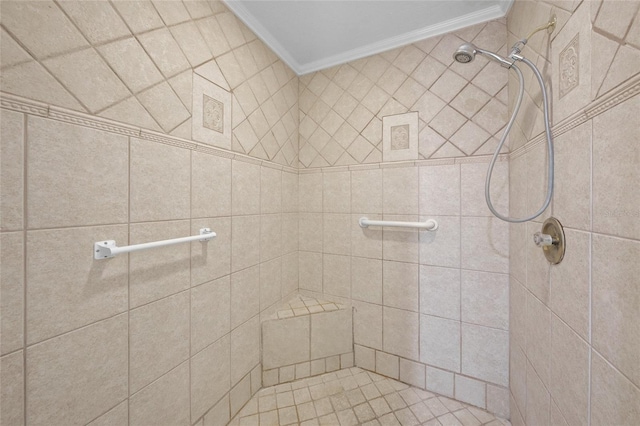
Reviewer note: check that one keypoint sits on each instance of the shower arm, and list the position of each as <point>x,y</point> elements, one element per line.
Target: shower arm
<point>517,48</point>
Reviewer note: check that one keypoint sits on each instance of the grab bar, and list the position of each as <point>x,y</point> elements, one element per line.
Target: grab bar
<point>429,225</point>
<point>107,249</point>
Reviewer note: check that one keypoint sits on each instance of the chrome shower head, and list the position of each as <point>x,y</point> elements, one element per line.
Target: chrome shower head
<point>465,53</point>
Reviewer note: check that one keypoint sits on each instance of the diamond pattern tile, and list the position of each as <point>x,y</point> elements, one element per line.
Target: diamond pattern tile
<point>450,99</point>
<point>356,397</point>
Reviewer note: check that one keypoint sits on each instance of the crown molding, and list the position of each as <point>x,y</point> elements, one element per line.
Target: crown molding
<point>484,15</point>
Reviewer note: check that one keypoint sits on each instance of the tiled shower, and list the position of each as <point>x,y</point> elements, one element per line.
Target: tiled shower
<point>140,121</point>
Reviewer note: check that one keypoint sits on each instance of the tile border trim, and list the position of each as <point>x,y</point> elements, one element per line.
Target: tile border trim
<point>28,106</point>
<point>606,102</point>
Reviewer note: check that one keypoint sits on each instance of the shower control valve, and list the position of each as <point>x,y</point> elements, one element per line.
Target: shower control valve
<point>542,240</point>
<point>551,240</point>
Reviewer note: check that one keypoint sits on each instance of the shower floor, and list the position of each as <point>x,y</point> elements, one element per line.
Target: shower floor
<point>354,396</point>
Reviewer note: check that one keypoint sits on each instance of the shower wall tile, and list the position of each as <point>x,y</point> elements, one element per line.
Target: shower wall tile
<point>101,90</point>
<point>286,342</point>
<point>139,16</point>
<point>615,168</point>
<point>87,367</point>
<point>245,349</point>
<point>12,395</point>
<point>615,303</point>
<point>440,342</point>
<point>164,51</point>
<point>165,400</point>
<point>337,192</point>
<point>485,353</point>
<point>155,193</point>
<point>167,271</point>
<point>366,242</point>
<point>336,233</point>
<point>342,108</point>
<point>290,233</point>
<point>310,231</point>
<point>400,244</point>
<point>210,376</point>
<point>473,181</point>
<point>440,381</point>
<point>270,283</point>
<point>400,190</point>
<point>210,312</point>
<point>245,295</point>
<point>290,194</point>
<point>405,343</point>
<point>245,188</point>
<point>440,292</point>
<point>12,174</point>
<point>469,390</point>
<point>310,192</point>
<point>331,333</point>
<point>290,271</point>
<point>572,191</point>
<point>337,275</point>
<point>57,200</point>
<point>441,248</point>
<point>310,271</point>
<point>569,372</point>
<point>614,398</point>
<point>98,21</point>
<point>570,294</point>
<point>366,191</point>
<point>538,337</point>
<point>400,285</point>
<point>35,24</point>
<point>440,190</point>
<point>270,236</point>
<point>366,280</point>
<point>117,415</point>
<point>538,399</point>
<point>485,244</point>
<point>65,290</point>
<point>367,325</point>
<point>150,188</point>
<point>213,259</point>
<point>159,339</point>
<point>482,289</point>
<point>270,190</point>
<point>12,287</point>
<point>132,64</point>
<point>210,186</point>
<point>245,251</point>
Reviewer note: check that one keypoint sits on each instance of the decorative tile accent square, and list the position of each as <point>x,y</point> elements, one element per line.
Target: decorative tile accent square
<point>400,137</point>
<point>211,122</point>
<point>569,67</point>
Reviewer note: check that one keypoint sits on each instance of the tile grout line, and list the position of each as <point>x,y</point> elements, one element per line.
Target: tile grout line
<point>25,214</point>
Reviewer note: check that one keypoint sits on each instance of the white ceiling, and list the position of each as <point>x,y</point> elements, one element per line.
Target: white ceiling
<point>310,35</point>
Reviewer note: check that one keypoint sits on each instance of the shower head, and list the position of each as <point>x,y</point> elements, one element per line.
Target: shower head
<point>467,53</point>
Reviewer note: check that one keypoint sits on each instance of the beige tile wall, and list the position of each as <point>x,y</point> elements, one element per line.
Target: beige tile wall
<point>461,107</point>
<point>160,336</point>
<point>134,62</point>
<point>430,308</point>
<point>574,339</point>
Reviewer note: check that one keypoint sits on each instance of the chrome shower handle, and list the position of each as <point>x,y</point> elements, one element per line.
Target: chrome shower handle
<point>542,240</point>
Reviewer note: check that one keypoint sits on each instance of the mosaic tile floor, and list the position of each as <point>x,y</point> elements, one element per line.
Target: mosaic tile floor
<point>357,397</point>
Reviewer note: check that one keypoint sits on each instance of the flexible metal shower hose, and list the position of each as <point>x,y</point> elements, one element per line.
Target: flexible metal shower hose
<point>547,128</point>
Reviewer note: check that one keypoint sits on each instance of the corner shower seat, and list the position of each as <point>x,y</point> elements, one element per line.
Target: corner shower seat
<point>306,337</point>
